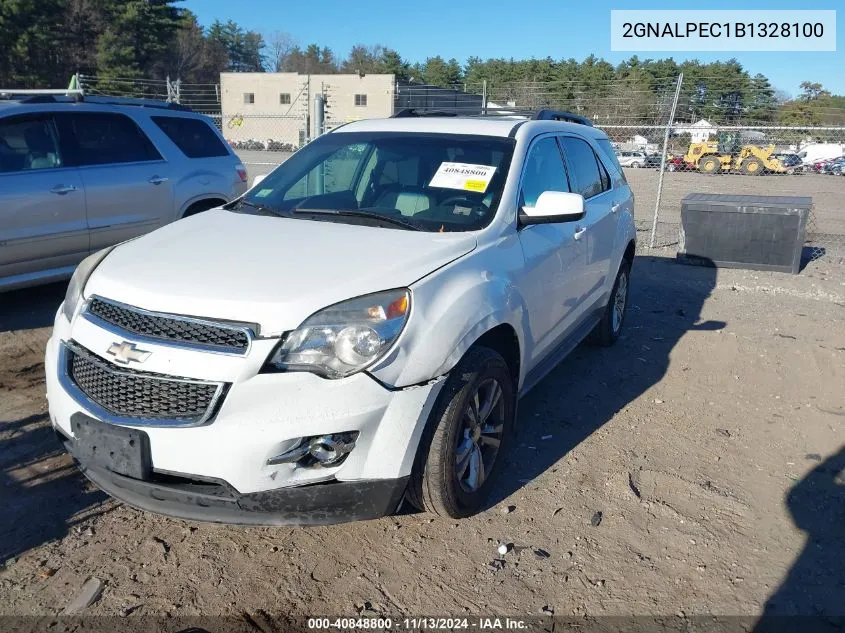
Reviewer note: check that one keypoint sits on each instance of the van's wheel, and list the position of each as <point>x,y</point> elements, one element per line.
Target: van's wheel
<point>607,331</point>
<point>710,165</point>
<point>636,164</point>
<point>752,166</point>
<point>461,450</point>
<point>202,205</point>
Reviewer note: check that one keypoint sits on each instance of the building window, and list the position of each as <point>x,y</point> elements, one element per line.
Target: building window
<point>360,100</point>
<point>284,98</point>
<point>249,97</point>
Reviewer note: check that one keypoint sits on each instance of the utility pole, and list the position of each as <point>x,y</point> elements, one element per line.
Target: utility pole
<point>669,125</point>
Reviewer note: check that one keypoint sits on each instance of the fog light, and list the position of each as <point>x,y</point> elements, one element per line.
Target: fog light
<point>317,450</point>
<point>331,449</point>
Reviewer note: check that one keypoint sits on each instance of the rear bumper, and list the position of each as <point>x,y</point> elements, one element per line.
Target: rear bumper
<point>217,502</point>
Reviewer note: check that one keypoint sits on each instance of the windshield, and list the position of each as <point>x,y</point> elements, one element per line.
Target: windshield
<point>430,182</point>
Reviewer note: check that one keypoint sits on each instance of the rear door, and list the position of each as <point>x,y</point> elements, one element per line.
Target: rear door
<point>42,201</point>
<point>592,181</point>
<point>128,185</point>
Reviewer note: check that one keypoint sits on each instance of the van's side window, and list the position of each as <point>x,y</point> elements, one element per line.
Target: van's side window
<point>28,143</point>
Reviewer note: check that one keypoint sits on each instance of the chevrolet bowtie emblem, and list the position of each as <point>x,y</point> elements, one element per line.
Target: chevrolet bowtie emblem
<point>125,352</point>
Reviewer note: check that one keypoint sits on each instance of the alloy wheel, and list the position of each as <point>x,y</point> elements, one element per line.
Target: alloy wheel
<point>480,436</point>
<point>619,301</point>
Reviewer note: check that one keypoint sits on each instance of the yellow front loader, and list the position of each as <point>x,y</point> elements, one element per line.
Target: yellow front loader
<point>729,153</point>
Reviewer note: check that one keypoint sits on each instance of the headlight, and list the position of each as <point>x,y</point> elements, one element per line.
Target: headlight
<point>346,337</point>
<point>78,280</point>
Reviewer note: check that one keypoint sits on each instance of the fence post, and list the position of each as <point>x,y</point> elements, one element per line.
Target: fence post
<point>483,96</point>
<point>666,133</point>
<point>178,90</point>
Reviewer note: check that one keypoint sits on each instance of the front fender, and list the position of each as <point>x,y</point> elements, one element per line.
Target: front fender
<point>451,309</point>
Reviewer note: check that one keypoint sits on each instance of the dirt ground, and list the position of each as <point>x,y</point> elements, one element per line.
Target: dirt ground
<point>711,440</point>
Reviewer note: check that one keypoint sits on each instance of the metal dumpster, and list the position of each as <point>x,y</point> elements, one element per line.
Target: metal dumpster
<point>756,232</point>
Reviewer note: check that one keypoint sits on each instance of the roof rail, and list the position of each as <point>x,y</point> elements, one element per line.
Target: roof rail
<point>405,113</point>
<point>28,94</point>
<point>558,115</point>
<point>504,112</point>
<point>78,95</point>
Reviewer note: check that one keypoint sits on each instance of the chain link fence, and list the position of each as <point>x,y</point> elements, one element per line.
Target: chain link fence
<point>666,150</point>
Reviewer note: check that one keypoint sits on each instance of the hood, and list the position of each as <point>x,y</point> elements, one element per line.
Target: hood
<point>267,270</point>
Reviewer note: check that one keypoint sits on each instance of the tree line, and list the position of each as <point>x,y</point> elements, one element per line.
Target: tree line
<point>46,41</point>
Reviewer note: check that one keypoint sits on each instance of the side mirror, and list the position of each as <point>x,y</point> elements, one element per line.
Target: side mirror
<point>258,179</point>
<point>554,206</point>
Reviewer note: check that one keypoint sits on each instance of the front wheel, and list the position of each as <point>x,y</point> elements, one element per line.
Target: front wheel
<point>710,165</point>
<point>607,331</point>
<point>461,451</point>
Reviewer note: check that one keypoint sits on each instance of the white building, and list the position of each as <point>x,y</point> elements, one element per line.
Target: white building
<point>699,131</point>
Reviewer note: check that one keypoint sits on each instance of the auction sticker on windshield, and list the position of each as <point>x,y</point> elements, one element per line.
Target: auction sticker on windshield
<point>463,176</point>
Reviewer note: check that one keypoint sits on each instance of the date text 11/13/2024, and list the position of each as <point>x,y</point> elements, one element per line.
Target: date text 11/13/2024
<point>417,624</point>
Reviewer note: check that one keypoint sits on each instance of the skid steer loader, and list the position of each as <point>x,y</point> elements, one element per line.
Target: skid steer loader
<point>730,153</point>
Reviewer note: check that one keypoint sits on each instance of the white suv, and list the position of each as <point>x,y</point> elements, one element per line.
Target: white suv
<point>353,331</point>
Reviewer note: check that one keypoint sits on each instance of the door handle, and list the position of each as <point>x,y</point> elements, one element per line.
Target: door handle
<point>157,180</point>
<point>62,189</point>
<point>579,232</point>
<point>616,206</point>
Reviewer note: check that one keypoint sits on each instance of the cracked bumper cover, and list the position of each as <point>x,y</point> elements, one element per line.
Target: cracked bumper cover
<point>217,502</point>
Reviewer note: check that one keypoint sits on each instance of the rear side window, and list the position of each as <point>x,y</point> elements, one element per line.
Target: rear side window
<point>28,143</point>
<point>193,136</point>
<point>611,157</point>
<point>585,167</point>
<point>103,138</point>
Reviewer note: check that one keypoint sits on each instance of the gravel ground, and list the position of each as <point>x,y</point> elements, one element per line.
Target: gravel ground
<point>694,468</point>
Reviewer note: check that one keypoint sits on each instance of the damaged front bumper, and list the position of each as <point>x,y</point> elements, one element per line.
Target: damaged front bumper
<point>227,470</point>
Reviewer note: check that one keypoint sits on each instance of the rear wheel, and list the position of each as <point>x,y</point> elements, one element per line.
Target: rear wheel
<point>752,166</point>
<point>460,453</point>
<point>709,165</point>
<point>202,205</point>
<point>607,331</point>
<point>636,164</point>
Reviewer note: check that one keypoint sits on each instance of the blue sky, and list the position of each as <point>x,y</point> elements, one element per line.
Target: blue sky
<point>496,28</point>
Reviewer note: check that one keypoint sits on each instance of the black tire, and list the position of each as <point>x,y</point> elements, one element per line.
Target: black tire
<point>709,165</point>
<point>752,166</point>
<point>435,484</point>
<point>607,331</point>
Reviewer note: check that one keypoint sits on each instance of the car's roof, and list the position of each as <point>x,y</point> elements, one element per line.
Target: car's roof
<point>481,126</point>
<point>11,106</point>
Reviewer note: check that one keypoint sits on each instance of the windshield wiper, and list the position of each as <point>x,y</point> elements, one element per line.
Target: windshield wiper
<point>260,207</point>
<point>355,213</point>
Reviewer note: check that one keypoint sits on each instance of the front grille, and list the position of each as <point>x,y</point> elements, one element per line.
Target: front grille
<point>130,393</point>
<point>170,328</point>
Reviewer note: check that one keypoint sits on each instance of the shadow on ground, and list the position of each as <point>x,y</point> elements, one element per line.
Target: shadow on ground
<point>41,492</point>
<point>587,389</point>
<point>812,596</point>
<point>31,308</point>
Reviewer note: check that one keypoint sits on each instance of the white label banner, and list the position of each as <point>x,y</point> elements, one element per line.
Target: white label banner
<point>464,176</point>
<point>723,30</point>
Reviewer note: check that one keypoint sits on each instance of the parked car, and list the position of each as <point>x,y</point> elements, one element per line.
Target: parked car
<point>676,163</point>
<point>653,160</point>
<point>354,330</point>
<point>631,159</point>
<point>788,160</point>
<point>832,166</point>
<point>78,174</point>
